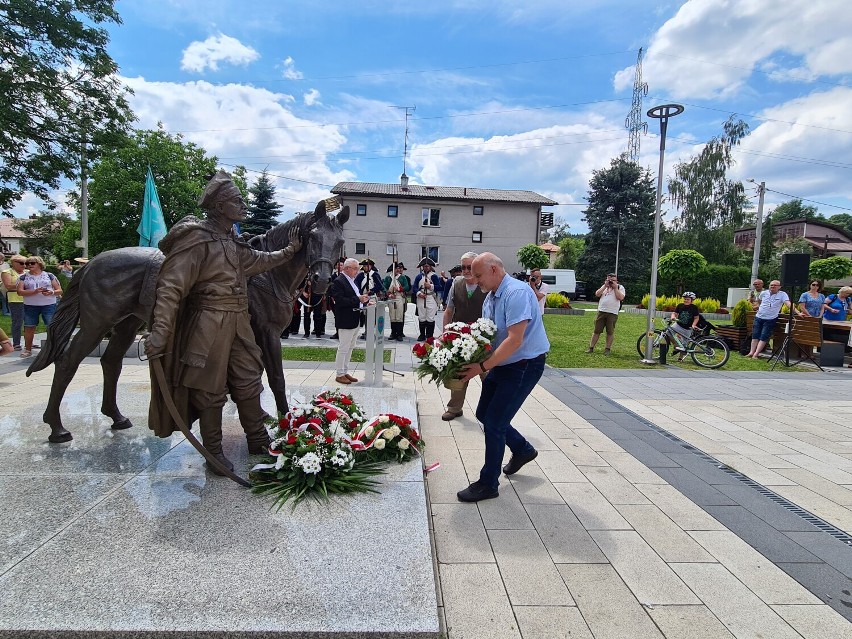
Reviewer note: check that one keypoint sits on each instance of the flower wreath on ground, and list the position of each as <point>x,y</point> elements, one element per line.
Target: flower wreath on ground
<point>460,344</point>
<point>327,447</point>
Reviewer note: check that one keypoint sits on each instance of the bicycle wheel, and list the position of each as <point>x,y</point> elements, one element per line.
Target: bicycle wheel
<point>709,352</point>
<point>641,344</point>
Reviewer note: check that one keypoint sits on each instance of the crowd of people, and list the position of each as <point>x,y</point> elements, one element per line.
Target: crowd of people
<point>30,293</point>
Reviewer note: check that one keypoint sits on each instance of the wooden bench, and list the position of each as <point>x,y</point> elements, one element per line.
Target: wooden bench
<point>778,332</point>
<point>807,334</point>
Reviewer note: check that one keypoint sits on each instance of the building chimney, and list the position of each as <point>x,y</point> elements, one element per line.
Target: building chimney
<point>403,180</point>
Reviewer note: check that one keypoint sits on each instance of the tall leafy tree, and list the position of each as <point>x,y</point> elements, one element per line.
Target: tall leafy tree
<point>58,91</point>
<point>263,210</point>
<point>117,185</point>
<point>795,210</point>
<point>622,195</point>
<point>701,190</point>
<point>570,250</point>
<point>533,256</point>
<point>843,220</point>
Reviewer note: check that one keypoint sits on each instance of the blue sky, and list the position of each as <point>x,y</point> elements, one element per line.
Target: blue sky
<point>508,95</point>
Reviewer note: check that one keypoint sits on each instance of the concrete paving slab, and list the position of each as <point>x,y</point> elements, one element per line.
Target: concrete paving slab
<point>688,622</point>
<point>551,622</point>
<point>815,622</point>
<point>476,602</point>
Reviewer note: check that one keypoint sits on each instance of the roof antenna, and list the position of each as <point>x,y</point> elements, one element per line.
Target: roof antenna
<point>409,110</point>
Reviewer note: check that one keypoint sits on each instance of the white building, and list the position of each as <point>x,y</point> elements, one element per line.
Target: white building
<point>11,239</point>
<point>442,222</point>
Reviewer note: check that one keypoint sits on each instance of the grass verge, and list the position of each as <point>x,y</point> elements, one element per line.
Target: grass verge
<point>320,354</point>
<point>569,338</point>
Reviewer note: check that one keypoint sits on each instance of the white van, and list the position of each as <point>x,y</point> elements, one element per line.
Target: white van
<point>560,280</point>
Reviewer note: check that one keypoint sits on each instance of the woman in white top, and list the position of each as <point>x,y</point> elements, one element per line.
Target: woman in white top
<point>39,290</point>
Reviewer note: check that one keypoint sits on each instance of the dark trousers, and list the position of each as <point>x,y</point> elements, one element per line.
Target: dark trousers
<point>17,310</point>
<point>504,390</point>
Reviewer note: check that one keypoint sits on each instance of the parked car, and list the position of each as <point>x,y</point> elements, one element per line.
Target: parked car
<point>580,291</point>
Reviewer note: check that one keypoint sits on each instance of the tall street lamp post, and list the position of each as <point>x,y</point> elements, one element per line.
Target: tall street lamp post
<point>662,113</point>
<point>618,227</point>
<point>758,229</point>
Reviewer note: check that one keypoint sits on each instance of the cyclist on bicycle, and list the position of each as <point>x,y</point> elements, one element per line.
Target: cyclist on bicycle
<point>684,320</point>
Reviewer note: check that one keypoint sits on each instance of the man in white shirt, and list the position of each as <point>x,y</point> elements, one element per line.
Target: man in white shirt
<point>611,293</point>
<point>770,303</point>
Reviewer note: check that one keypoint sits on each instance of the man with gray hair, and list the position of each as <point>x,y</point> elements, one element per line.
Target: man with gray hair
<point>464,304</point>
<point>348,302</point>
<point>200,325</point>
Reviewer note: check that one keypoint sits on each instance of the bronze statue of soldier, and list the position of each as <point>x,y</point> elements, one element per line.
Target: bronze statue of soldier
<point>200,325</point>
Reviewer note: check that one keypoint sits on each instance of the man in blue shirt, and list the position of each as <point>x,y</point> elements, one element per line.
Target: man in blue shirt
<point>514,368</point>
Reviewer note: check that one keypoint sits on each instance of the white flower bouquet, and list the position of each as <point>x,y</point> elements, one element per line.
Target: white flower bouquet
<point>460,344</point>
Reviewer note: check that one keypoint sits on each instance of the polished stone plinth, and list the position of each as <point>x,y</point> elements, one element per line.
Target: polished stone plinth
<point>123,534</point>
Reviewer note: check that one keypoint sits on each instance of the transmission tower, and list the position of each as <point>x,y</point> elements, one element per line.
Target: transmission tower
<point>634,123</point>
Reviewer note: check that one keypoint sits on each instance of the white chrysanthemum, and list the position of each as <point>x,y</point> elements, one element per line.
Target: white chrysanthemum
<point>439,358</point>
<point>310,463</point>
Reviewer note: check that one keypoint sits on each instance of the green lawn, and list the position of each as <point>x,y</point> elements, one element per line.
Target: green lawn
<point>569,338</point>
<point>320,354</point>
<point>6,325</point>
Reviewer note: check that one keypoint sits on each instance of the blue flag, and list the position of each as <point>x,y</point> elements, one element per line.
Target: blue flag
<point>152,227</point>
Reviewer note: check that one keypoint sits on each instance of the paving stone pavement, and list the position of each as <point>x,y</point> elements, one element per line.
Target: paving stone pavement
<point>629,524</point>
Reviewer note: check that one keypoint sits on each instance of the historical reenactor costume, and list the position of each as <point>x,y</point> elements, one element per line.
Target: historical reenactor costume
<point>369,282</point>
<point>398,287</point>
<point>425,291</point>
<point>200,323</point>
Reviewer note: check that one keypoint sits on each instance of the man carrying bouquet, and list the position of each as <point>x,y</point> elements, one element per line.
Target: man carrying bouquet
<point>513,370</point>
<point>464,304</point>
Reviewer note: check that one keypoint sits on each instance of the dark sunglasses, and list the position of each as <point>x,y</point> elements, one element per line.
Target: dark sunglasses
<point>30,263</point>
<point>814,283</point>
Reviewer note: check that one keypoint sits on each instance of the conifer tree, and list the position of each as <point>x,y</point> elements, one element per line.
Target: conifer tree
<point>262,207</point>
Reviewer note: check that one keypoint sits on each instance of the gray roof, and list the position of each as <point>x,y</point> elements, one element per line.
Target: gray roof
<point>420,191</point>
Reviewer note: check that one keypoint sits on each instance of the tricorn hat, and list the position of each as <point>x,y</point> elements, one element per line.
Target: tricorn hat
<point>367,262</point>
<point>456,269</point>
<point>398,265</point>
<point>426,261</point>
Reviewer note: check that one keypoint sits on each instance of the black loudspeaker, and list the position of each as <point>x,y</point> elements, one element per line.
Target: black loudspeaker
<point>794,270</point>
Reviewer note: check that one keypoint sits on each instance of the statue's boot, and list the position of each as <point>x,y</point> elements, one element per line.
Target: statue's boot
<point>252,418</point>
<point>210,423</point>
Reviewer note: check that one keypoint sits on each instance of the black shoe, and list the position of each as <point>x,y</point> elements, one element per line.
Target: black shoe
<point>335,336</point>
<point>519,461</point>
<point>363,337</point>
<point>285,336</point>
<point>477,492</point>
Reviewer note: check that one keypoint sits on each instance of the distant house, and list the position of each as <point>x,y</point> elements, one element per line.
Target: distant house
<point>552,251</point>
<point>11,239</point>
<point>441,222</point>
<point>826,239</point>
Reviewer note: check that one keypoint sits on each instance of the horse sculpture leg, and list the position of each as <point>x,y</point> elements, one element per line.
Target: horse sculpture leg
<point>83,343</point>
<point>112,360</point>
<point>270,346</point>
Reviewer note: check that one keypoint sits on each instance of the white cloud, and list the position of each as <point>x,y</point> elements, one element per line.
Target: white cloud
<point>199,56</point>
<point>245,125</point>
<point>312,97</point>
<point>290,71</point>
<point>802,148</point>
<point>711,47</point>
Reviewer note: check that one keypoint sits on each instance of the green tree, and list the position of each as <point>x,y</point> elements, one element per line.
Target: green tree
<point>621,194</point>
<point>43,233</point>
<point>533,256</point>
<point>679,265</point>
<point>262,207</point>
<point>558,232</point>
<point>117,185</point>
<point>58,91</point>
<point>794,210</point>
<point>831,268</point>
<point>701,190</point>
<point>570,250</point>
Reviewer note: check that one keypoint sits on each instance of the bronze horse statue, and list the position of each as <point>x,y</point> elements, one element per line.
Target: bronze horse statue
<point>115,293</point>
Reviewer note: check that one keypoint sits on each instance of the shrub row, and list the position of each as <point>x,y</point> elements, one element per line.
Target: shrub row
<point>669,303</point>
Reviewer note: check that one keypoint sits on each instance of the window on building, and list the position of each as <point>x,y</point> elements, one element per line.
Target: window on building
<point>393,210</point>
<point>476,237</point>
<point>362,209</point>
<point>360,248</point>
<point>432,252</point>
<point>431,217</point>
<point>389,249</point>
<point>478,210</point>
